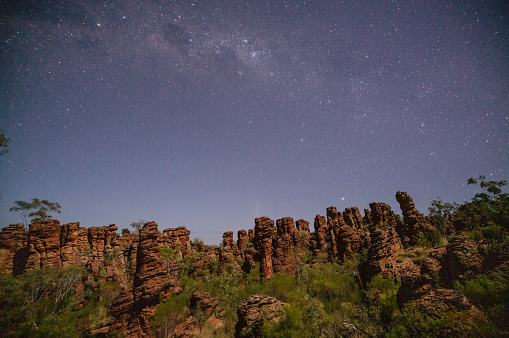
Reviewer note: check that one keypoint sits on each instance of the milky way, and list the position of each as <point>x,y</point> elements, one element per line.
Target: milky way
<point>211,113</point>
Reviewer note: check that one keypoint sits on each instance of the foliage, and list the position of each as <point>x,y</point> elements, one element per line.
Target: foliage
<point>4,143</point>
<point>38,303</point>
<point>169,314</point>
<point>441,211</point>
<point>489,208</point>
<point>490,294</point>
<point>137,225</point>
<point>36,210</point>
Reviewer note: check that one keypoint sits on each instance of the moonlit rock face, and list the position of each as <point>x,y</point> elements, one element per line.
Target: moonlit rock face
<point>212,113</point>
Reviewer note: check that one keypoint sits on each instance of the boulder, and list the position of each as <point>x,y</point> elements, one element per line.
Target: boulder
<point>256,310</point>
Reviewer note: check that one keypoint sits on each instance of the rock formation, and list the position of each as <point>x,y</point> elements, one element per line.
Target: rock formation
<point>381,214</point>
<point>202,301</point>
<point>284,256</point>
<point>177,237</point>
<point>414,222</point>
<point>384,246</point>
<point>242,240</point>
<point>151,280</point>
<point>256,310</point>
<point>302,234</point>
<point>44,245</point>
<point>74,244</point>
<point>263,236</point>
<point>13,249</point>
<point>151,283</point>
<point>321,231</point>
<point>463,257</point>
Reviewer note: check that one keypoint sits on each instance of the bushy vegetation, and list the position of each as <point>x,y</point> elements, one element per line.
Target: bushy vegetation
<point>45,303</point>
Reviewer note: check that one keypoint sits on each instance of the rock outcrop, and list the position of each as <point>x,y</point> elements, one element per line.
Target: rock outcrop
<point>202,301</point>
<point>385,244</point>
<point>302,234</point>
<point>74,244</point>
<point>321,232</point>
<point>256,310</point>
<point>151,280</point>
<point>44,245</point>
<point>284,256</point>
<point>414,223</point>
<point>13,249</point>
<point>263,236</point>
<point>242,239</point>
<point>177,238</point>
<point>463,257</point>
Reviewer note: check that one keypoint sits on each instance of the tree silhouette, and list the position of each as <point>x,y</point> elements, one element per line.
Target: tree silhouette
<point>35,211</point>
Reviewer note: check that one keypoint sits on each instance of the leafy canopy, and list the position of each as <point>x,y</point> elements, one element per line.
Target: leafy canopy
<point>36,210</point>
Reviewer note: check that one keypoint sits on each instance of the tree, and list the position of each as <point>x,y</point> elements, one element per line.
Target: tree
<point>137,225</point>
<point>488,211</point>
<point>37,210</point>
<point>4,142</point>
<point>441,211</point>
<point>492,191</point>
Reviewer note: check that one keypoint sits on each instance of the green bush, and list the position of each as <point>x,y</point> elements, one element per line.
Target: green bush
<point>490,294</point>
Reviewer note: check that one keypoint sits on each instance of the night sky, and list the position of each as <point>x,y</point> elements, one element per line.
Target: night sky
<point>208,114</point>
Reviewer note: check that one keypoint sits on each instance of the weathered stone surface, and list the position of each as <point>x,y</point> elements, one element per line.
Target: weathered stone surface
<point>348,240</point>
<point>463,257</point>
<point>151,280</point>
<point>13,249</point>
<point>177,237</point>
<point>414,222</point>
<point>385,244</point>
<point>382,213</point>
<point>74,244</point>
<point>302,234</point>
<point>359,221</point>
<point>284,256</point>
<point>44,245</point>
<point>251,260</point>
<point>353,218</point>
<point>302,225</point>
<point>256,310</point>
<point>264,234</point>
<point>203,302</point>
<point>321,231</point>
<point>333,223</point>
<point>228,239</point>
<point>189,328</point>
<point>445,299</point>
<point>250,235</point>
<point>414,283</point>
<point>367,217</point>
<point>242,239</point>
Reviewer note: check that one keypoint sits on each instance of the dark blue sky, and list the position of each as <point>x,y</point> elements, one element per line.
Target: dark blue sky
<point>211,113</point>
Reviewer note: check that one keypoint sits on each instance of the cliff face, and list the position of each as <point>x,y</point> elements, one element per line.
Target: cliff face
<point>49,244</point>
<point>13,249</point>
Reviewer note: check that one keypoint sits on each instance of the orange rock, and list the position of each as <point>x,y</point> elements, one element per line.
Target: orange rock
<point>264,233</point>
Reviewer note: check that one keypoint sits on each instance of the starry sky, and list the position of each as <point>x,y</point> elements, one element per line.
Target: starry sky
<point>210,113</point>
